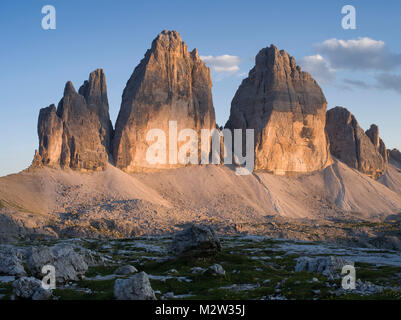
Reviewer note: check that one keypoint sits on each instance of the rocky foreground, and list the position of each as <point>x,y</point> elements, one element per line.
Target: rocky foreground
<point>196,264</point>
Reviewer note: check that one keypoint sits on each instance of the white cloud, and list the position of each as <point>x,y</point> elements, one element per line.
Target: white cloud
<point>319,68</point>
<point>358,54</point>
<point>222,64</point>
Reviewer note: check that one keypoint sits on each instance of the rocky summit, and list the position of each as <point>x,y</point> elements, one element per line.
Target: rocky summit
<point>395,154</point>
<point>78,133</point>
<point>169,84</point>
<point>286,108</point>
<point>365,152</point>
<point>373,134</point>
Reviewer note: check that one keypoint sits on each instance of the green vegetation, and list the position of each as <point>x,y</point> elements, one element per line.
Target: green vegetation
<point>385,275</point>
<point>6,289</point>
<point>254,270</point>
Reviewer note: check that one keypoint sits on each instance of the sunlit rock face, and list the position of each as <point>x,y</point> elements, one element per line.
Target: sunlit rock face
<point>350,144</point>
<point>287,110</point>
<point>169,84</point>
<point>78,133</point>
<point>374,136</point>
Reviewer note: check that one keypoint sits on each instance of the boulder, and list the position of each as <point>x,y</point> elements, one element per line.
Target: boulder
<point>11,261</point>
<point>351,145</point>
<point>215,270</point>
<point>30,288</point>
<point>78,133</point>
<point>136,287</point>
<point>124,270</point>
<point>196,240</point>
<point>287,110</point>
<point>69,264</point>
<point>169,84</point>
<point>328,266</point>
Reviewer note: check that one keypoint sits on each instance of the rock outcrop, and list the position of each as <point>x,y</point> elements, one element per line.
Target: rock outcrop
<point>196,240</point>
<point>287,110</point>
<point>78,133</point>
<point>374,136</point>
<point>328,266</point>
<point>11,261</point>
<point>30,288</point>
<point>395,154</point>
<point>350,144</point>
<point>137,287</point>
<point>70,264</point>
<point>169,84</point>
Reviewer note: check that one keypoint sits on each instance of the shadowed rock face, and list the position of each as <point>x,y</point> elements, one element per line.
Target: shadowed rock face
<point>286,108</point>
<point>395,154</point>
<point>350,144</point>
<point>169,84</point>
<point>78,134</point>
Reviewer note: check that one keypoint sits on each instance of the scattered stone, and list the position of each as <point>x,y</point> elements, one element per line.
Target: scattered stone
<point>328,266</point>
<point>215,270</point>
<point>124,270</point>
<point>149,248</point>
<point>164,278</point>
<point>30,288</point>
<point>171,295</point>
<point>240,287</point>
<point>362,288</point>
<point>172,271</point>
<point>11,261</point>
<point>135,288</point>
<point>197,270</point>
<point>68,263</point>
<point>196,240</point>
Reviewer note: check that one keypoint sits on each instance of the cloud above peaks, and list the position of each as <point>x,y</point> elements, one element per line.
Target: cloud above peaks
<point>358,54</point>
<point>222,64</point>
<point>319,68</point>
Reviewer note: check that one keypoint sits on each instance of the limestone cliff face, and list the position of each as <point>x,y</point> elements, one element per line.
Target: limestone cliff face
<point>350,144</point>
<point>78,134</point>
<point>374,136</point>
<point>395,155</point>
<point>169,84</point>
<point>287,110</point>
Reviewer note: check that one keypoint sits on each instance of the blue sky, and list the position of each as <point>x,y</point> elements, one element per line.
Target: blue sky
<point>361,72</point>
